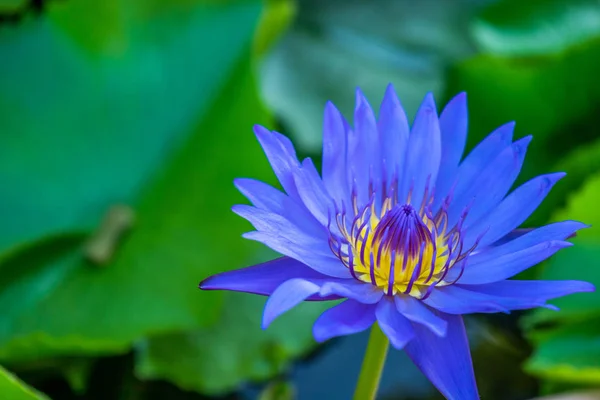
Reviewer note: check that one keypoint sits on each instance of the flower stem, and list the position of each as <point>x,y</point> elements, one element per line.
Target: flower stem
<point>372,366</point>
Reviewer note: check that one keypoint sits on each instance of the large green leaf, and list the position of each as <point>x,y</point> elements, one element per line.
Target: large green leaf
<point>11,388</point>
<point>569,349</point>
<point>220,358</point>
<point>569,353</point>
<point>524,75</point>
<point>94,96</point>
<point>171,153</point>
<point>536,27</point>
<point>335,46</point>
<point>577,262</point>
<point>579,165</point>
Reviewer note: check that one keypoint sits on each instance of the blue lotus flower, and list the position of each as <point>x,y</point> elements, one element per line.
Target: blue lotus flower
<point>409,233</point>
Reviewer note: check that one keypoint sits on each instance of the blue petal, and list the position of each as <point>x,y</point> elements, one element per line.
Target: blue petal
<point>445,361</point>
<point>453,129</point>
<point>268,198</point>
<point>287,295</point>
<point>363,149</point>
<point>313,193</point>
<point>395,326</point>
<point>262,195</point>
<point>488,188</point>
<point>501,296</point>
<point>522,239</point>
<point>262,278</point>
<point>318,258</point>
<point>508,265</point>
<point>512,211</point>
<point>344,319</point>
<point>269,222</point>
<point>423,158</point>
<point>393,132</point>
<point>282,156</point>
<point>335,154</point>
<point>528,293</point>
<point>416,311</point>
<point>352,289</point>
<point>488,149</point>
<point>456,300</point>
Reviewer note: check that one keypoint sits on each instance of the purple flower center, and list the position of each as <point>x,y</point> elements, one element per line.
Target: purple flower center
<point>397,247</point>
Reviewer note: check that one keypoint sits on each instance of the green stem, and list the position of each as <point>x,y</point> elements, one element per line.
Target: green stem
<point>372,366</point>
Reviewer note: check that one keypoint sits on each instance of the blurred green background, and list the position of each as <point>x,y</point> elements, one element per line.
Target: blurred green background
<point>123,124</point>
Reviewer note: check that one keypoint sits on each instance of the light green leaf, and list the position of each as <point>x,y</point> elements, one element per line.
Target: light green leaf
<point>579,165</point>
<point>119,92</point>
<point>579,262</point>
<point>549,97</point>
<point>167,149</point>
<point>218,359</point>
<point>569,353</point>
<point>582,206</point>
<point>536,27</point>
<point>335,46</point>
<point>570,349</point>
<point>11,388</point>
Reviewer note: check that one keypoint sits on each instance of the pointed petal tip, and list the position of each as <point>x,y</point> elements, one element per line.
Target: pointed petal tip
<point>330,109</point>
<point>575,226</point>
<point>561,244</point>
<point>265,322</point>
<point>459,100</point>
<point>241,210</point>
<point>504,133</point>
<point>587,287</point>
<point>390,93</point>
<point>260,130</point>
<point>427,106</point>
<point>520,147</point>
<point>391,103</point>
<point>524,141</point>
<point>551,179</point>
<point>360,97</point>
<point>205,284</point>
<point>237,182</point>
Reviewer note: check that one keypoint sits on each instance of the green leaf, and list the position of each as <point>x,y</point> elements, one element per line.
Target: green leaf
<point>536,27</point>
<point>578,262</point>
<point>582,206</point>
<point>184,229</point>
<point>549,97</point>
<point>570,349</point>
<point>218,359</point>
<point>335,46</point>
<point>12,388</point>
<point>121,87</point>
<point>579,165</point>
<point>276,18</point>
<point>10,6</point>
<point>547,86</point>
<point>569,353</point>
